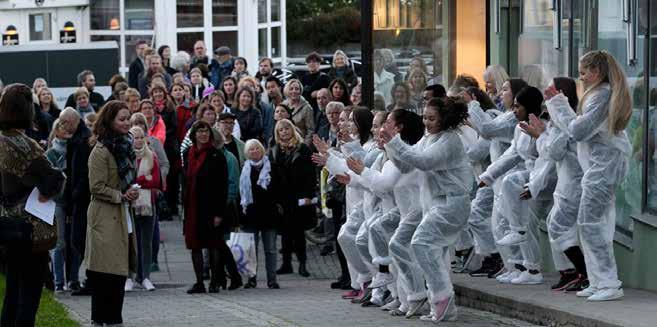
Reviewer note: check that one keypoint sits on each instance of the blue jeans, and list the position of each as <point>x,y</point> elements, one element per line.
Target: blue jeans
<point>269,242</point>
<point>59,253</point>
<point>144,227</point>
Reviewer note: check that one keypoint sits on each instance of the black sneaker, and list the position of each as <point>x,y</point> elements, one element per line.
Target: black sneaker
<point>251,283</point>
<point>568,279</point>
<point>340,283</point>
<point>198,288</point>
<point>497,267</point>
<point>580,285</point>
<point>487,265</point>
<point>74,286</point>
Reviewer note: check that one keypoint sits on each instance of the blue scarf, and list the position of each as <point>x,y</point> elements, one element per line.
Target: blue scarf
<point>245,180</point>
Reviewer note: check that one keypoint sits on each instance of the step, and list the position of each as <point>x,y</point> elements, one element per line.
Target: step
<point>539,305</point>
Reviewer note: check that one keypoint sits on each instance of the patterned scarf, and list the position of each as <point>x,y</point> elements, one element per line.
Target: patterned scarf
<point>264,178</point>
<point>120,146</point>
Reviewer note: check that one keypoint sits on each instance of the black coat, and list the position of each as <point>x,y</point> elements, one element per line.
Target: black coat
<point>349,77</point>
<point>135,70</point>
<point>250,123</point>
<point>295,179</point>
<point>314,82</point>
<point>76,191</point>
<point>211,196</point>
<point>263,213</point>
<point>171,144</point>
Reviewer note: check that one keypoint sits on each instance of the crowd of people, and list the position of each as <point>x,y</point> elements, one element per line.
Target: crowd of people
<point>426,181</point>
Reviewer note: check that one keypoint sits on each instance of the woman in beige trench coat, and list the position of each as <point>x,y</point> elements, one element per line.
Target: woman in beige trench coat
<point>110,250</point>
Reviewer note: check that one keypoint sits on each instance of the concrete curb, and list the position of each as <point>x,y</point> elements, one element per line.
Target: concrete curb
<point>531,312</point>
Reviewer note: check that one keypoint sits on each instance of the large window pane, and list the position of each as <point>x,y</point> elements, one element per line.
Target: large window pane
<point>612,37</point>
<point>275,42</point>
<point>189,13</point>
<point>408,33</point>
<point>115,38</point>
<point>40,28</point>
<point>104,14</point>
<point>186,41</point>
<point>652,103</point>
<point>539,60</point>
<point>262,42</point>
<point>262,11</point>
<point>130,44</point>
<point>224,12</point>
<point>228,39</point>
<point>275,10</point>
<point>139,14</point>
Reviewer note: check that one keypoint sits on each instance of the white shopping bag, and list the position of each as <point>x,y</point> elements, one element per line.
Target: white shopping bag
<point>242,245</point>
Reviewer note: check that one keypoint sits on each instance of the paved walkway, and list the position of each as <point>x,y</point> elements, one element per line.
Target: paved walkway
<point>300,301</point>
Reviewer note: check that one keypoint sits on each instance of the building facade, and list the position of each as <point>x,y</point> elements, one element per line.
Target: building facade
<point>177,23</point>
<point>539,40</point>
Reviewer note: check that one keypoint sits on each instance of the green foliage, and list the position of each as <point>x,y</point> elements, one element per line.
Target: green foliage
<point>330,28</point>
<point>51,313</point>
<point>312,8</point>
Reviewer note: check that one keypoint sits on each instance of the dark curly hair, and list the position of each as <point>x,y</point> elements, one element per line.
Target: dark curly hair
<point>484,100</point>
<point>412,128</point>
<point>452,111</point>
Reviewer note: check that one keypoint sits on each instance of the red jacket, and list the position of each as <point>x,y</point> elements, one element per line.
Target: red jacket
<point>155,183</point>
<point>159,130</point>
<point>183,114</point>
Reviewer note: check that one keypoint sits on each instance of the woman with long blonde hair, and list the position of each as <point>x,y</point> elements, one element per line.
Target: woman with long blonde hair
<point>603,150</point>
<point>494,78</point>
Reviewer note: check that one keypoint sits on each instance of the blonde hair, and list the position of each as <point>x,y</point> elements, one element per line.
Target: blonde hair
<point>534,76</point>
<point>411,75</point>
<point>288,86</point>
<point>296,137</point>
<point>251,143</point>
<point>340,53</point>
<point>620,102</point>
<point>131,92</point>
<point>80,92</point>
<point>53,132</point>
<point>497,74</point>
<point>137,129</point>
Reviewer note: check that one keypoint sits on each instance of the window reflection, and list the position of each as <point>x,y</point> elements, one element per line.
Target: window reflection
<point>104,14</point>
<point>189,13</point>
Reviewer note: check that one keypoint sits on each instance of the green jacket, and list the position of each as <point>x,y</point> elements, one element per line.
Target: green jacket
<point>233,175</point>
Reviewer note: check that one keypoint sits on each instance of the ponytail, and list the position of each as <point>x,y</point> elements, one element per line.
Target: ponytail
<point>620,104</point>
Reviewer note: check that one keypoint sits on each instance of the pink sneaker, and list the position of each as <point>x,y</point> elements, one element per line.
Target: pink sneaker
<point>352,294</point>
<point>441,308</point>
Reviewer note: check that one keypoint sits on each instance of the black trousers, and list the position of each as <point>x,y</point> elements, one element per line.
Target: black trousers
<point>26,273</point>
<point>339,218</point>
<point>106,297</point>
<point>294,241</point>
<point>173,188</point>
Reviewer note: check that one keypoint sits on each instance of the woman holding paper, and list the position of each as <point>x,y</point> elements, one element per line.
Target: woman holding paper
<point>292,167</point>
<point>24,168</point>
<point>111,245</point>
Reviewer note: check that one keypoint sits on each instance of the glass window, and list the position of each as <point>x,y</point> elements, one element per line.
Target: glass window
<point>40,29</point>
<point>104,14</point>
<point>186,41</point>
<point>139,14</point>
<point>262,42</point>
<point>275,10</point>
<point>652,103</point>
<point>539,60</point>
<point>116,38</point>
<point>228,39</point>
<point>407,34</point>
<point>275,42</point>
<point>262,11</point>
<point>130,44</point>
<point>224,12</point>
<point>189,13</point>
<point>613,38</point>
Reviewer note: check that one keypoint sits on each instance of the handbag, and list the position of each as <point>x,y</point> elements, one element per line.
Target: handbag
<point>42,235</point>
<point>242,246</point>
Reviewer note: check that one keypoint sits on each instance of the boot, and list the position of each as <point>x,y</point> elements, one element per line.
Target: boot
<point>286,267</point>
<point>302,270</point>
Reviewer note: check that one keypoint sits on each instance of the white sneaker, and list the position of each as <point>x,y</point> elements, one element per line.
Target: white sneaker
<point>525,278</point>
<point>129,285</point>
<point>511,276</point>
<point>503,275</point>
<point>606,294</point>
<point>148,285</point>
<point>512,238</point>
<point>381,279</point>
<point>392,305</point>
<point>587,292</point>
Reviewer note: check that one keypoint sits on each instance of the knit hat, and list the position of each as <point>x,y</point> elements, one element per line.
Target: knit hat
<point>531,98</point>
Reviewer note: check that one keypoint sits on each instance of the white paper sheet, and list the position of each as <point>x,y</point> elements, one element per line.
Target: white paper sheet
<point>42,210</point>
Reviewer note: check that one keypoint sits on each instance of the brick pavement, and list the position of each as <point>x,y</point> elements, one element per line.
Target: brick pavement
<point>299,302</point>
